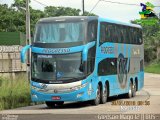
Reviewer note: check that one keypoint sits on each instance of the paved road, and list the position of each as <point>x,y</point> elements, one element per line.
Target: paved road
<point>150,92</point>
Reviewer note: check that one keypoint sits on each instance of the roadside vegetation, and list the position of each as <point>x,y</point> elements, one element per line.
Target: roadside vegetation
<point>12,18</point>
<point>153,67</point>
<point>14,93</point>
<point>151,38</point>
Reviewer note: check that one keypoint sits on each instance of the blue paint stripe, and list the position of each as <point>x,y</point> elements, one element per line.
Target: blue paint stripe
<point>63,50</point>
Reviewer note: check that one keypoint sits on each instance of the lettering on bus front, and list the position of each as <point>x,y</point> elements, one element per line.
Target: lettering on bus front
<point>60,50</point>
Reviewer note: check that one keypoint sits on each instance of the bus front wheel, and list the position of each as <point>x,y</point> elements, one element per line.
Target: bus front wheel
<point>51,104</point>
<point>98,97</point>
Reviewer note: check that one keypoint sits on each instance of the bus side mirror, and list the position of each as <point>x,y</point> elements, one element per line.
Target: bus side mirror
<point>23,53</point>
<point>28,64</point>
<point>85,50</point>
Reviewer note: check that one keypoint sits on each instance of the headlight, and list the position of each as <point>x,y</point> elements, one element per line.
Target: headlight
<point>80,86</point>
<point>33,87</point>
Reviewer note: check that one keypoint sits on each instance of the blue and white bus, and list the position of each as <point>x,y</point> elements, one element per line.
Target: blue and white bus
<point>85,58</point>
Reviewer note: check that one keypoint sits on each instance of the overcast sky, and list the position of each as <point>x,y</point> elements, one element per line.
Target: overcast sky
<point>103,9</point>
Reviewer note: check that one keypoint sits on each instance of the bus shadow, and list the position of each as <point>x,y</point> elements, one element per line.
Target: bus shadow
<point>75,105</point>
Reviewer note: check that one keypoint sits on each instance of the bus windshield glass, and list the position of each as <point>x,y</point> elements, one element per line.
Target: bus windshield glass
<point>56,67</point>
<point>60,32</point>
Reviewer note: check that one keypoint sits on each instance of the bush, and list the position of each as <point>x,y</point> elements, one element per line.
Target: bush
<point>14,93</point>
<point>153,67</point>
<point>149,54</point>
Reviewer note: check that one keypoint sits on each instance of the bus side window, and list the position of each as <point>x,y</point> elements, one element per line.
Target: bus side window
<point>127,35</point>
<point>107,66</point>
<point>131,36</point>
<point>92,30</point>
<point>139,39</point>
<point>115,34</point>
<point>119,34</point>
<point>102,33</point>
<point>109,33</point>
<point>112,33</point>
<point>140,36</point>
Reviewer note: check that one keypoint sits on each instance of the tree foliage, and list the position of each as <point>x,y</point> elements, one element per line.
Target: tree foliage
<point>13,18</point>
<point>151,37</point>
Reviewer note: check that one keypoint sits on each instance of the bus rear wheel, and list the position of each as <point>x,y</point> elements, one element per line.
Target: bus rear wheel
<point>98,97</point>
<point>132,90</point>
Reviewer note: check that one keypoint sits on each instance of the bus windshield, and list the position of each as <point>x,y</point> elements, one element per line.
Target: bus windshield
<point>60,32</point>
<point>56,67</point>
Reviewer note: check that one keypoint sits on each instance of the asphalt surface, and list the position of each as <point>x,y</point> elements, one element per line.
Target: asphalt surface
<point>146,101</point>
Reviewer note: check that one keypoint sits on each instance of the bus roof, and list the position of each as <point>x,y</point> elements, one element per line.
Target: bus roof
<point>68,18</point>
<point>119,22</point>
<point>86,18</point>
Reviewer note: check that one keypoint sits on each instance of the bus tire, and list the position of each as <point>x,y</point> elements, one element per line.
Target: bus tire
<point>60,103</point>
<point>130,93</point>
<point>50,104</point>
<point>104,95</point>
<point>96,101</point>
<point>134,90</point>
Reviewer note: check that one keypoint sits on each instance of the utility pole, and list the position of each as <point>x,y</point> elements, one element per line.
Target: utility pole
<point>83,7</point>
<point>28,37</point>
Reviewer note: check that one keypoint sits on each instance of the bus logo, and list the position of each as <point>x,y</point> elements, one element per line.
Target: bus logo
<point>122,70</point>
<point>56,51</point>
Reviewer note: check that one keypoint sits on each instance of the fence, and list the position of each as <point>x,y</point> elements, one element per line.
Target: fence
<point>10,59</point>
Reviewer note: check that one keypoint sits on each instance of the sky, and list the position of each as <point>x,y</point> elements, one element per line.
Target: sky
<point>103,9</point>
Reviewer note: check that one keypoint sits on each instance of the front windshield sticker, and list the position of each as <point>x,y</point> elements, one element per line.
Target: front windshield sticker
<point>59,74</point>
<point>44,56</point>
<point>59,50</point>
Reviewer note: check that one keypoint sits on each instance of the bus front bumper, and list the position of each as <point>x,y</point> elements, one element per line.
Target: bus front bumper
<point>82,94</point>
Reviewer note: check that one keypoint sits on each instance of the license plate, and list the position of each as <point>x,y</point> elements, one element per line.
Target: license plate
<point>56,98</point>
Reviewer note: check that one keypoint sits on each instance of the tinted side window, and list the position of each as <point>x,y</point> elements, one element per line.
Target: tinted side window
<point>141,65</point>
<point>92,30</point>
<point>91,59</point>
<point>108,33</point>
<point>107,67</point>
<point>120,34</point>
<point>140,40</point>
<point>103,32</point>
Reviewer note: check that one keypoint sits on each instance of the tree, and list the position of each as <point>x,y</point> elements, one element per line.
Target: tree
<point>6,19</point>
<point>151,37</point>
<point>52,11</point>
<point>88,14</point>
<point>20,5</point>
<point>13,18</point>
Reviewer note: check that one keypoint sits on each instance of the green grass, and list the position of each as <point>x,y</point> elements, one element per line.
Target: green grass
<point>14,93</point>
<point>153,68</point>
